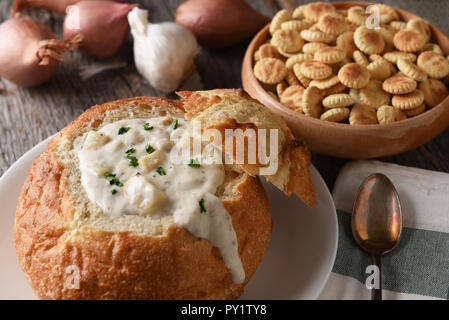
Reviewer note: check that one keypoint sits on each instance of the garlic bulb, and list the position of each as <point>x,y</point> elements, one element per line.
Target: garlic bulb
<point>164,53</point>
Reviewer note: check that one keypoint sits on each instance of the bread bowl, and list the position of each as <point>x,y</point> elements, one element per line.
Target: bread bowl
<point>66,231</point>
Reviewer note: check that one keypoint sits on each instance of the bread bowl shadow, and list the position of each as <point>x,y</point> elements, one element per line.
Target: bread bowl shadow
<point>352,141</point>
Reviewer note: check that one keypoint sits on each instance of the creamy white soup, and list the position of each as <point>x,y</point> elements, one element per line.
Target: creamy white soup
<point>127,169</point>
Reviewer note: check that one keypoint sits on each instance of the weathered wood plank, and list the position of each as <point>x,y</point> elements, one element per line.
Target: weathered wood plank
<point>27,116</point>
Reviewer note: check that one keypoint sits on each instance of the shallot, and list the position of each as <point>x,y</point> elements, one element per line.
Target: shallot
<point>163,53</point>
<point>103,24</point>
<point>29,51</point>
<point>58,6</point>
<point>220,23</point>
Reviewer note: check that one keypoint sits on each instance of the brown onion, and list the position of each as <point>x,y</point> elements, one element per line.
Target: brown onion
<point>29,51</point>
<point>52,5</point>
<point>220,23</point>
<point>103,24</point>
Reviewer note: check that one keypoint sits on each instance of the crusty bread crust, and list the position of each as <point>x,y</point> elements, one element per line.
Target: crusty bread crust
<point>126,265</point>
<point>223,109</point>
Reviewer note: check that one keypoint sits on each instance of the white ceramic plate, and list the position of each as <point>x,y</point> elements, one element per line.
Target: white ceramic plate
<point>296,265</point>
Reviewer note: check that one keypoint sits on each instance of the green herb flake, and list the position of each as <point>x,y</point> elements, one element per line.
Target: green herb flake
<point>130,151</point>
<point>113,191</point>
<point>149,149</point>
<point>202,207</point>
<point>174,124</point>
<point>112,179</point>
<point>147,127</point>
<point>133,162</point>
<point>123,130</point>
<point>109,175</point>
<point>194,163</point>
<point>161,171</point>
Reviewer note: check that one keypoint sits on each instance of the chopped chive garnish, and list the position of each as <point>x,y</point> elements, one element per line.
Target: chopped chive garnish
<point>109,175</point>
<point>130,151</point>
<point>147,127</point>
<point>174,124</point>
<point>112,179</point>
<point>133,162</point>
<point>123,130</point>
<point>161,171</point>
<point>113,191</point>
<point>202,207</point>
<point>149,149</point>
<point>194,163</point>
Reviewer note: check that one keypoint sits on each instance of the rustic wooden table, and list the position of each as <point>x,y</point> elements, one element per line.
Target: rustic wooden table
<point>28,116</point>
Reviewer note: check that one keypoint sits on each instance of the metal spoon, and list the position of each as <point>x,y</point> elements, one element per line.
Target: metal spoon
<point>377,221</point>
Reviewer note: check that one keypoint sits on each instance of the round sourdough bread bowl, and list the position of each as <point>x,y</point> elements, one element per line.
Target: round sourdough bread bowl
<point>60,234</point>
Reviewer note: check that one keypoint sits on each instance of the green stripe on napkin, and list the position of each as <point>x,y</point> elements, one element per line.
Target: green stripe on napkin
<point>418,265</point>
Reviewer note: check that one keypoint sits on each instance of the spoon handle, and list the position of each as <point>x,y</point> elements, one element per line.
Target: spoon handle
<point>376,294</point>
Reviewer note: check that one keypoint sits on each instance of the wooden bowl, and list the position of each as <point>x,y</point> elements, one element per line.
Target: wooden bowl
<point>352,141</point>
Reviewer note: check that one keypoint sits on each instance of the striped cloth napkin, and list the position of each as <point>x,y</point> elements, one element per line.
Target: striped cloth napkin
<point>419,266</point>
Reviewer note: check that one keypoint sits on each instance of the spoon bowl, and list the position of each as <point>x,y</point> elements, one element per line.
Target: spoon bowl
<point>377,219</point>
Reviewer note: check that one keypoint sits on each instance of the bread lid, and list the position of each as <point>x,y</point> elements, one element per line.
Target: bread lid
<point>224,109</point>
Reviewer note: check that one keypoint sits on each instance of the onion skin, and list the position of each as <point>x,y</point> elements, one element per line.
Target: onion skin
<point>29,51</point>
<point>103,24</point>
<point>58,6</point>
<point>220,23</point>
